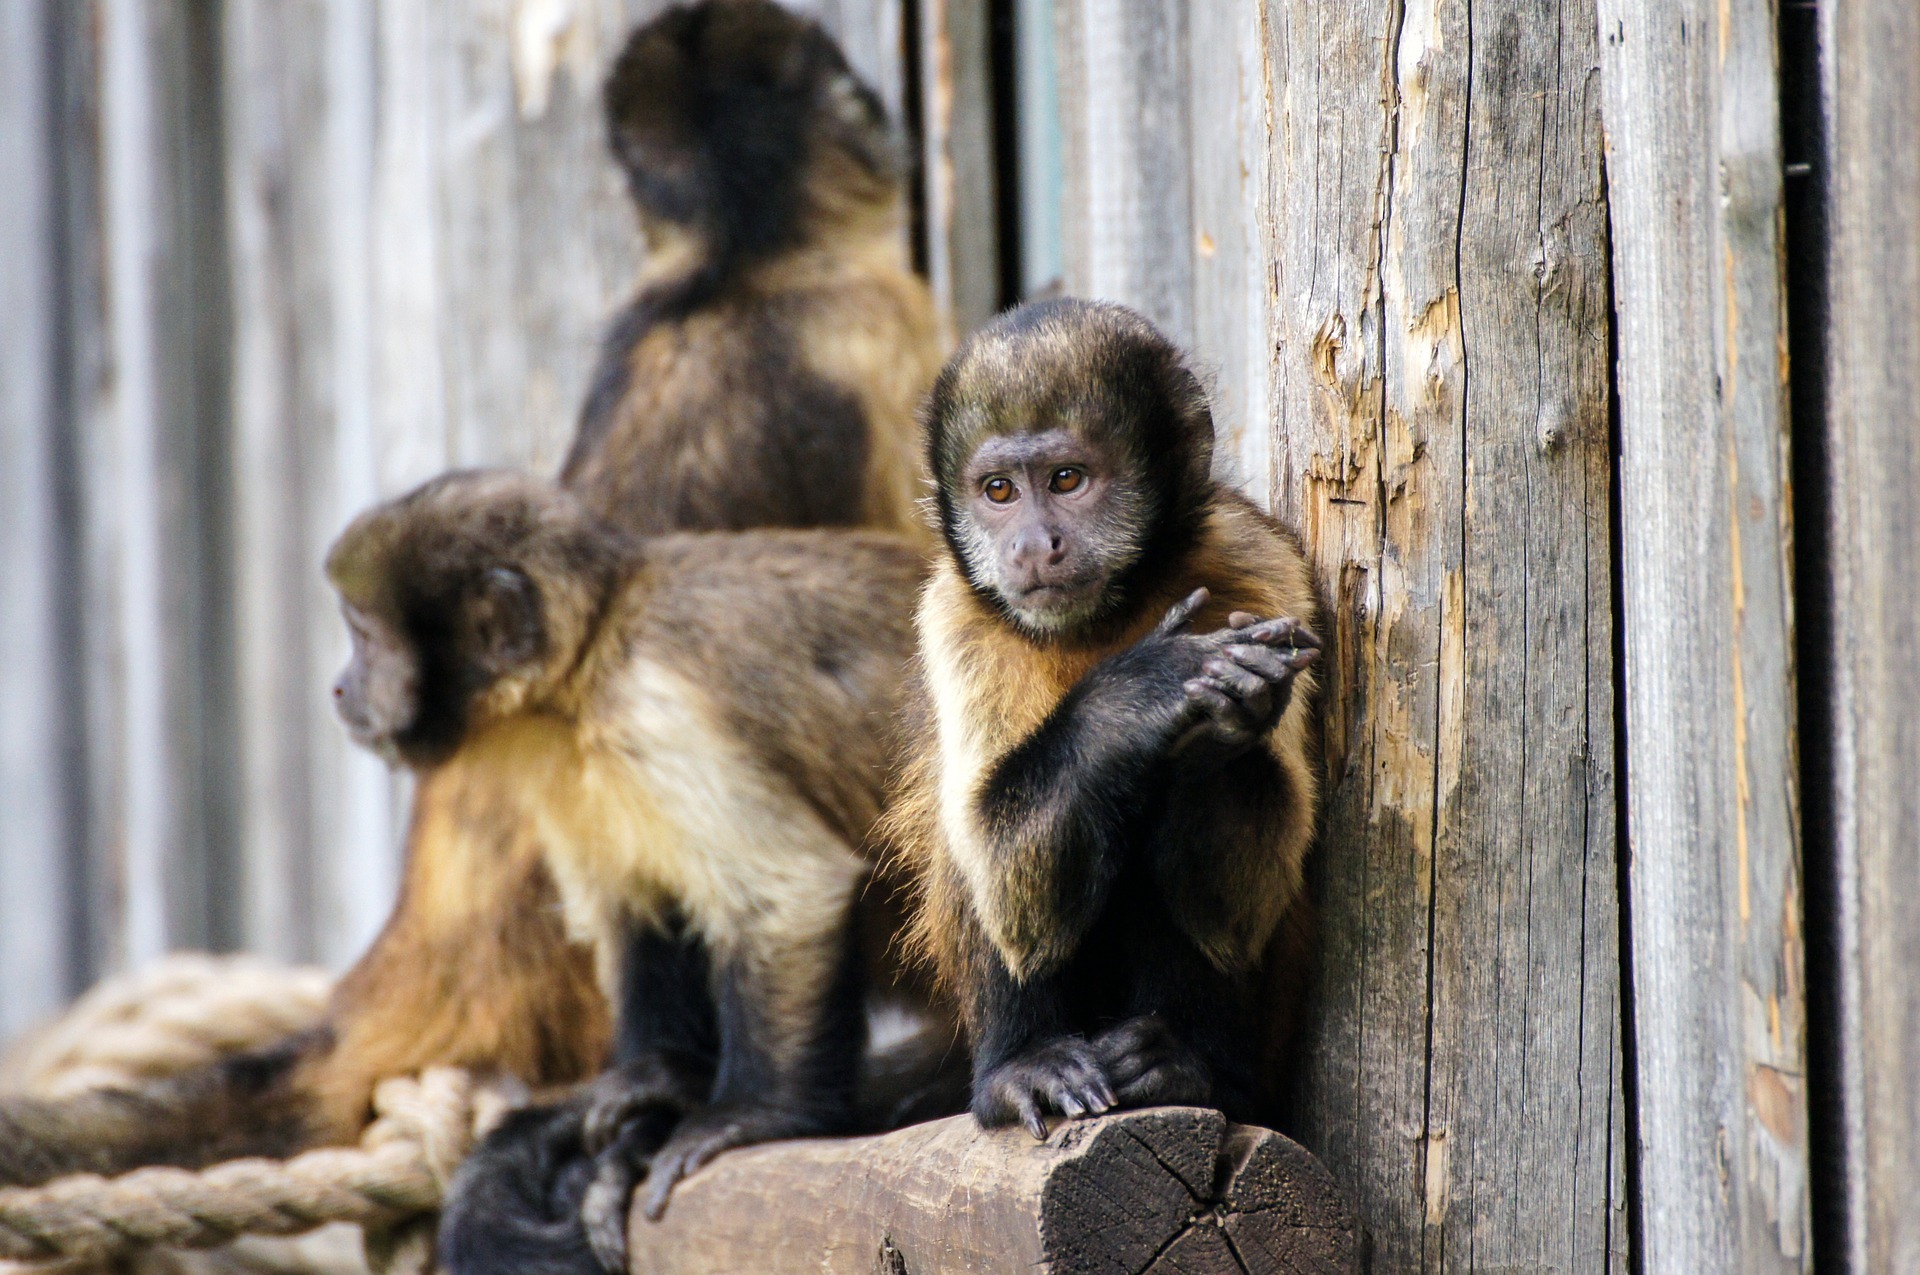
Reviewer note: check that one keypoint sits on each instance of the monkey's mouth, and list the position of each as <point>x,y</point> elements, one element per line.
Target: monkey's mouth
<point>1050,597</point>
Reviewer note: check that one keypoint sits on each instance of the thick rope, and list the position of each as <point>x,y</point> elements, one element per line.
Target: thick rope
<point>179,1012</point>
<point>424,1128</point>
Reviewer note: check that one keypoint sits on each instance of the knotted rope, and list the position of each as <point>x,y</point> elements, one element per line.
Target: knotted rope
<point>423,1128</point>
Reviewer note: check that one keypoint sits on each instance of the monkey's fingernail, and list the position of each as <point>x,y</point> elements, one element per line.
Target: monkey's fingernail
<point>1306,637</point>
<point>1071,1106</point>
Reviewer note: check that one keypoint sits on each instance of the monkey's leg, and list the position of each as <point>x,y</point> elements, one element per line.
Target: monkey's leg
<point>665,1036</point>
<point>665,1050</point>
<point>792,1028</point>
<point>1186,1039</point>
<point>1028,1062</point>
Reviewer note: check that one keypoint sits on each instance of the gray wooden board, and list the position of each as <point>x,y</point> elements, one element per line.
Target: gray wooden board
<point>1870,51</point>
<point>1694,180</point>
<point>1124,100</point>
<point>36,973</point>
<point>958,170</point>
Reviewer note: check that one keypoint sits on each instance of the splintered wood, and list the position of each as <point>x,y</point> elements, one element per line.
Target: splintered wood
<point>1169,1191</point>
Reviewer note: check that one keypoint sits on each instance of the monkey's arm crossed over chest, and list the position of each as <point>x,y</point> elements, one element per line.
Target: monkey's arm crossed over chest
<point>1054,766</point>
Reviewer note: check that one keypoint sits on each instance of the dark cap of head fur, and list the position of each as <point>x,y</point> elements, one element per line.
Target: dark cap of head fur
<point>1092,367</point>
<point>716,110</point>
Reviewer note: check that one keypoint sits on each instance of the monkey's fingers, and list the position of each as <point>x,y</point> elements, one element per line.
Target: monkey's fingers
<point>1274,665</point>
<point>1030,1115</point>
<point>1181,612</point>
<point>603,1209</point>
<point>1229,716</point>
<point>1245,684</point>
<point>682,1156</point>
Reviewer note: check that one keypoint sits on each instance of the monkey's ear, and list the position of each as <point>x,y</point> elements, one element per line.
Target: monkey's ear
<point>503,616</point>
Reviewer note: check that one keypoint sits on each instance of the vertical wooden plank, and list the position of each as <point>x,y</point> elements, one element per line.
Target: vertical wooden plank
<point>1872,98</point>
<point>84,387</point>
<point>1713,808</point>
<point>1439,383</point>
<point>285,408</point>
<point>1232,275</point>
<point>1363,1102</point>
<point>156,493</point>
<point>1525,1111</point>
<point>36,779</point>
<point>960,181</point>
<point>1037,140</point>
<point>1128,227</point>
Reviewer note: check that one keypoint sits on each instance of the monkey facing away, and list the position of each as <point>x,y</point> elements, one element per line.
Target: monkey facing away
<point>767,372</point>
<point>1111,786</point>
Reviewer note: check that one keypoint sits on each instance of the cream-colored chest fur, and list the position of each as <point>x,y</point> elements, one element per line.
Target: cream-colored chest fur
<point>653,804</point>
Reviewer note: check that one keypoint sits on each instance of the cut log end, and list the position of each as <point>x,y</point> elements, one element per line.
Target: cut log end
<point>1167,1191</point>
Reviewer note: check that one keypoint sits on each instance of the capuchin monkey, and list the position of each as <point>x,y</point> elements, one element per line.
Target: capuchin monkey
<point>1111,784</point>
<point>776,346</point>
<point>693,726</point>
<point>768,370</point>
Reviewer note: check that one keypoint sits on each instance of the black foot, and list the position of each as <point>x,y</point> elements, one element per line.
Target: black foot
<point>706,1133</point>
<point>616,1169</point>
<point>1152,1067</point>
<point>1063,1076</point>
<point>649,1086</point>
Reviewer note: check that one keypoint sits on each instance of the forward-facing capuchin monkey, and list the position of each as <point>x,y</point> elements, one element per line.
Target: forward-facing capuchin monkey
<point>768,370</point>
<point>778,344</point>
<point>1112,782</point>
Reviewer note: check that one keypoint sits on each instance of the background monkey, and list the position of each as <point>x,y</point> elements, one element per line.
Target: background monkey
<point>1106,810</point>
<point>777,344</point>
<point>767,372</point>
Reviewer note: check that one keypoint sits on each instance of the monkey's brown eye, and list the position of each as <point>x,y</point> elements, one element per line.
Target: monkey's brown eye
<point>1067,479</point>
<point>999,490</point>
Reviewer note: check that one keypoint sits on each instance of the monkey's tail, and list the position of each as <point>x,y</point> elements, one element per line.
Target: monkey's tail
<point>245,1104</point>
<point>513,1208</point>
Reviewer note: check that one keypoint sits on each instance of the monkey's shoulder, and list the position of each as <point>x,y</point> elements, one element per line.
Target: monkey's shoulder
<point>1249,561</point>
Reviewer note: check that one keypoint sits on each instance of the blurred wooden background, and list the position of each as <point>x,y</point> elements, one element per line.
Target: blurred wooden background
<point>1580,338</point>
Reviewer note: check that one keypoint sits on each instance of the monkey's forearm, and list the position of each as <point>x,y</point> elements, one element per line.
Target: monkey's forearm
<point>1086,772</point>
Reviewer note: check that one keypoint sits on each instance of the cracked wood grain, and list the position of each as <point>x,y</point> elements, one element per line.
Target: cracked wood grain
<point>1165,1190</point>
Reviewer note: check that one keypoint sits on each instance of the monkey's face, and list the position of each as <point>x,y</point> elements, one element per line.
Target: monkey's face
<point>464,650</point>
<point>378,694</point>
<point>1050,523</point>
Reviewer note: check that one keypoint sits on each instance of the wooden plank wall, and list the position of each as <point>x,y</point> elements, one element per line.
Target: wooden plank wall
<point>1383,225</point>
<point>1872,107</point>
<point>34,735</point>
<point>1696,188</point>
<point>266,263</point>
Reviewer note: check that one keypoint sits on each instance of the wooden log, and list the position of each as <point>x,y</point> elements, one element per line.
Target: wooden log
<point>1171,1191</point>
